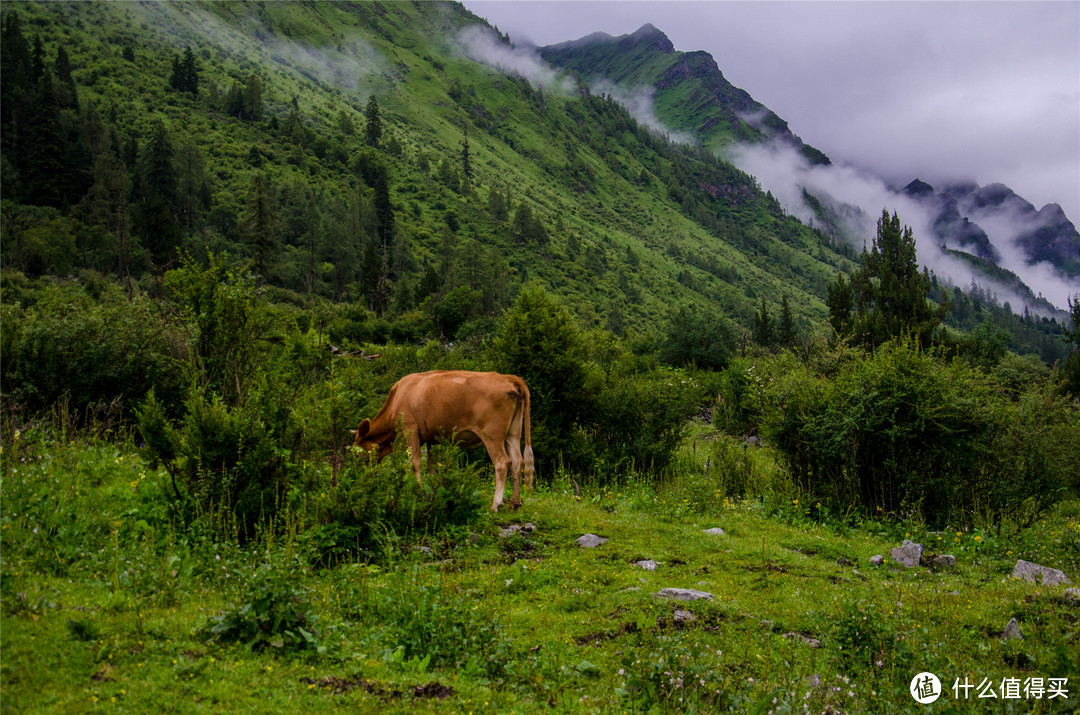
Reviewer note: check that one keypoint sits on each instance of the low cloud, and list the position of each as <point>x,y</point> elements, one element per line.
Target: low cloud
<point>482,45</point>
<point>640,102</point>
<point>350,64</point>
<point>860,197</point>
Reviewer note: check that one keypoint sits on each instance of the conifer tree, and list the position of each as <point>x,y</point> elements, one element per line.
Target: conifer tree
<point>787,333</point>
<point>890,292</point>
<point>764,331</point>
<point>157,209</point>
<point>252,98</point>
<point>259,223</point>
<point>466,166</point>
<point>373,122</point>
<point>840,301</point>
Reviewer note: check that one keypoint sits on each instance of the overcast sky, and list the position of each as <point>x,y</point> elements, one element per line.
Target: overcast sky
<point>981,91</point>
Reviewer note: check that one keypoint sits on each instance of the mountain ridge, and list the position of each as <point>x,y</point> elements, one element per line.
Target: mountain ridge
<point>719,115</point>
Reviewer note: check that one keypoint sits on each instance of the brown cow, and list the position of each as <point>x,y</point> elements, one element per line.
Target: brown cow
<point>471,407</point>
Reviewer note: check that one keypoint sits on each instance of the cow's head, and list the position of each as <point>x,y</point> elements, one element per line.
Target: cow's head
<point>363,439</point>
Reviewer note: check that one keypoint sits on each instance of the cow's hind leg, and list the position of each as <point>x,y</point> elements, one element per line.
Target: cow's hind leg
<point>513,451</point>
<point>497,452</point>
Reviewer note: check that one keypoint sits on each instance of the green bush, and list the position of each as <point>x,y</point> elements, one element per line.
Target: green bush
<point>369,500</point>
<point>905,430</point>
<point>274,612</point>
<point>427,620</point>
<point>98,355</point>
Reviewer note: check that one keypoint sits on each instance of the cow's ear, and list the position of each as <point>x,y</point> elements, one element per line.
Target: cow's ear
<point>362,431</point>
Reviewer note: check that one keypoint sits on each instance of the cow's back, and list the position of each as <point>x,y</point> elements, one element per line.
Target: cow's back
<point>445,402</point>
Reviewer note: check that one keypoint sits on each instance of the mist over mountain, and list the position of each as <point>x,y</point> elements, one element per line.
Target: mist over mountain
<point>691,98</point>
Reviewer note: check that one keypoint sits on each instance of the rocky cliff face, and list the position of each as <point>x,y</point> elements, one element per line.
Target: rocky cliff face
<point>965,212</point>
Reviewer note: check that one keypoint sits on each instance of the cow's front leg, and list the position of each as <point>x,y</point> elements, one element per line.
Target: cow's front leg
<point>413,441</point>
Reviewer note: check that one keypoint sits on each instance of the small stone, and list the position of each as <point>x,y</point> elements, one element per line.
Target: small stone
<point>517,528</point>
<point>877,560</point>
<point>682,616</point>
<point>1072,594</point>
<point>907,554</point>
<point>590,541</point>
<point>1035,573</point>
<point>812,642</point>
<point>945,561</point>
<point>953,593</point>
<point>648,565</point>
<point>715,531</point>
<point>683,594</point>
<point>1012,630</point>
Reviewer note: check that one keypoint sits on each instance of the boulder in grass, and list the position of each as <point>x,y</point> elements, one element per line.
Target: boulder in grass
<point>647,564</point>
<point>715,531</point>
<point>1012,631</point>
<point>1029,571</point>
<point>590,541</point>
<point>684,594</point>
<point>907,554</point>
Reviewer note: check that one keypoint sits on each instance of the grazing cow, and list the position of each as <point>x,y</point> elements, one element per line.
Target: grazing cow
<point>472,408</point>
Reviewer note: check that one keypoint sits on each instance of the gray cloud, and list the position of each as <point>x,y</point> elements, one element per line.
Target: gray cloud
<point>944,91</point>
<point>783,171</point>
<point>350,64</point>
<point>481,45</point>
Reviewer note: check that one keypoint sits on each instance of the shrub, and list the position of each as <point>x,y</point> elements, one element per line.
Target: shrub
<point>907,429</point>
<point>370,499</point>
<point>275,612</point>
<point>425,619</point>
<point>91,354</point>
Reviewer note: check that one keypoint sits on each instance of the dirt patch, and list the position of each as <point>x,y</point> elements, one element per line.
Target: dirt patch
<point>340,686</point>
<point>102,676</point>
<point>434,689</point>
<point>595,639</point>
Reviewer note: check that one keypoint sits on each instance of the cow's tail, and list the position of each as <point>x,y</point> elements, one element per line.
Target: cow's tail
<point>526,439</point>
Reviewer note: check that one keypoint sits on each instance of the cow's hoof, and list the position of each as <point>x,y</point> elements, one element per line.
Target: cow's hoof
<point>515,505</point>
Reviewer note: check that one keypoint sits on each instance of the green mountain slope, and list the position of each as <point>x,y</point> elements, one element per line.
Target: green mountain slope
<point>692,94</point>
<point>627,225</point>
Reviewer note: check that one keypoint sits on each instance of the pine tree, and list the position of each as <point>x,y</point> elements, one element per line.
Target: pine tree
<point>259,223</point>
<point>764,332</point>
<point>787,333</point>
<point>840,301</point>
<point>373,128</point>
<point>190,73</point>
<point>252,99</point>
<point>466,166</point>
<point>157,210</point>
<point>890,292</point>
<point>234,101</point>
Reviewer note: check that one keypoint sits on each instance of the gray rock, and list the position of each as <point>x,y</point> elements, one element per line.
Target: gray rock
<point>682,616</point>
<point>517,528</point>
<point>683,594</point>
<point>1072,594</point>
<point>812,642</point>
<point>715,531</point>
<point>907,554</point>
<point>648,565</point>
<point>1012,630</point>
<point>944,561</point>
<point>1035,573</point>
<point>877,560</point>
<point>953,593</point>
<point>590,541</point>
